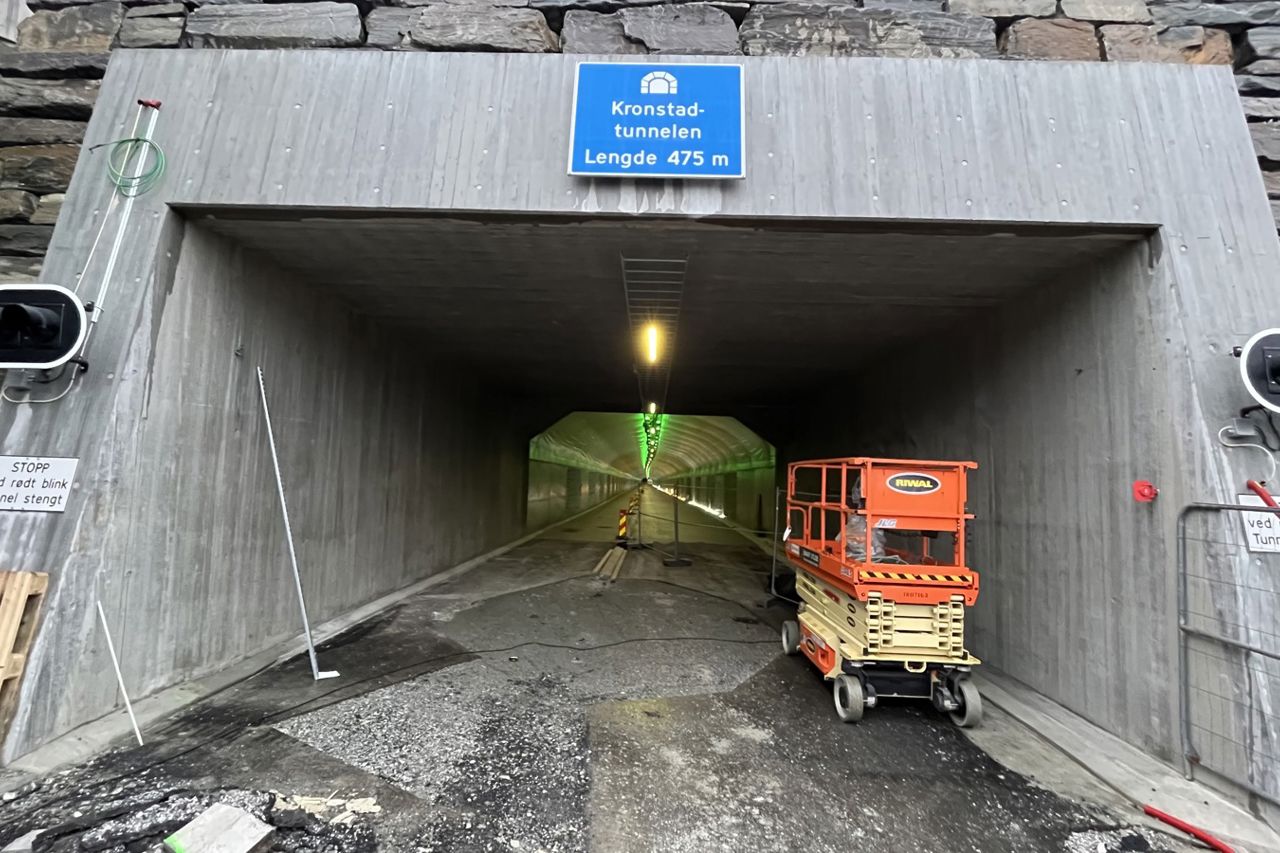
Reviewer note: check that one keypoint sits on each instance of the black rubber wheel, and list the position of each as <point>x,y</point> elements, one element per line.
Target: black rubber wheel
<point>790,637</point>
<point>969,714</point>
<point>850,698</point>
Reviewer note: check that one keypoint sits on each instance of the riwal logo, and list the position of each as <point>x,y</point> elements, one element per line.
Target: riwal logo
<point>912,483</point>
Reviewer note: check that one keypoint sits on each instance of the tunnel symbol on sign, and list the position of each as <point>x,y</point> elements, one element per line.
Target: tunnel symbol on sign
<point>658,83</point>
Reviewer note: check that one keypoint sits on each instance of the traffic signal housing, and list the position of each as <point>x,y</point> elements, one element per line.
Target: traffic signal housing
<point>42,326</point>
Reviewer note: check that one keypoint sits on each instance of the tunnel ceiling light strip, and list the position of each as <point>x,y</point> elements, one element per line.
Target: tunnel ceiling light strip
<point>651,437</point>
<point>654,291</point>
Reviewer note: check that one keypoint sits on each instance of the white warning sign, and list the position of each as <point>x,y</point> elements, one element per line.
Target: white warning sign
<point>36,483</point>
<point>1261,529</point>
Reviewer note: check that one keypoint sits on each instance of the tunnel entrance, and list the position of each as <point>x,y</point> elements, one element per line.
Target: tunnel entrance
<point>412,359</point>
<point>816,338</point>
<point>1021,348</point>
<point>819,337</point>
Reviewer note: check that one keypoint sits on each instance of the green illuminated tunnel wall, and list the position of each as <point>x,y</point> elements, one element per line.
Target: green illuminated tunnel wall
<point>715,461</point>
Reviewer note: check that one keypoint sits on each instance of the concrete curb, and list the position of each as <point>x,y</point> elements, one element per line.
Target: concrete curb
<point>1135,775</point>
<point>94,737</point>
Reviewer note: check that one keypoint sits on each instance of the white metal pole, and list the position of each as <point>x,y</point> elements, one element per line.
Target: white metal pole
<point>115,662</point>
<point>288,533</point>
<point>122,226</point>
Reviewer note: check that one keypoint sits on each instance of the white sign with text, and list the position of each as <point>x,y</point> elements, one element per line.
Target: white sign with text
<point>36,483</point>
<point>1261,529</point>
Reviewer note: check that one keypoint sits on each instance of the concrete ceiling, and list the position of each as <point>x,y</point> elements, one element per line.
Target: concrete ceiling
<point>768,310</point>
<point>612,442</point>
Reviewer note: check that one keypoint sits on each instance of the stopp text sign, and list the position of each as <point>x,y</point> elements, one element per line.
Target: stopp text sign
<point>634,120</point>
<point>36,483</point>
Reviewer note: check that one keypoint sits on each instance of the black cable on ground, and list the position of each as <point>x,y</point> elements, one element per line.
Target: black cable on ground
<point>724,598</point>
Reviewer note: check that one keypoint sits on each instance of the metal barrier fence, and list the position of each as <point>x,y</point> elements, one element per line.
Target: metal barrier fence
<point>1229,643</point>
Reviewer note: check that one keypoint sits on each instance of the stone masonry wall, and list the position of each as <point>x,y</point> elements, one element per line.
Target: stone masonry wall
<point>50,79</point>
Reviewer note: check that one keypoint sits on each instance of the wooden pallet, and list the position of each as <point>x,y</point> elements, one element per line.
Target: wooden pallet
<point>21,595</point>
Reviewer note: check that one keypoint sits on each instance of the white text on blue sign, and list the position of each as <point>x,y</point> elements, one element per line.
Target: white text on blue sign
<point>657,121</point>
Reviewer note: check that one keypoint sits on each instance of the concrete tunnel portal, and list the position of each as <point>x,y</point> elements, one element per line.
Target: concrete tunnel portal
<point>816,339</point>
<point>458,361</point>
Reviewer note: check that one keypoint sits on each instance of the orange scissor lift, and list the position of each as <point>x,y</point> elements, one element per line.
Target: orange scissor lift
<point>878,546</point>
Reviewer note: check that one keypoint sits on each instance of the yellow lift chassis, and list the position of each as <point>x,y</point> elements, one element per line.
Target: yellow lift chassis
<point>878,549</point>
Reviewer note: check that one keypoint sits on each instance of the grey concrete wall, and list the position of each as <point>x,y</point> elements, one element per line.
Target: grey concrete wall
<point>557,491</point>
<point>394,470</point>
<point>753,508</point>
<point>1063,397</point>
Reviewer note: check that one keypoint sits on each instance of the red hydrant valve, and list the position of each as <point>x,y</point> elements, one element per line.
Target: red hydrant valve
<point>1144,491</point>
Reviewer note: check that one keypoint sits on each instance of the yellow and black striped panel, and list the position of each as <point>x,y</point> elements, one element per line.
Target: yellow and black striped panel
<point>915,576</point>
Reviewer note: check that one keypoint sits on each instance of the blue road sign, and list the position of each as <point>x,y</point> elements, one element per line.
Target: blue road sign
<point>633,120</point>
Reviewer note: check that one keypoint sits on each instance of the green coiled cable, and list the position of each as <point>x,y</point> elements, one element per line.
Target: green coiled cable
<point>123,153</point>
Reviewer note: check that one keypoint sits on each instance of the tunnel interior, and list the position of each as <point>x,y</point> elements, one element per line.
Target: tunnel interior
<point>493,375</point>
<point>713,461</point>
<point>771,329</point>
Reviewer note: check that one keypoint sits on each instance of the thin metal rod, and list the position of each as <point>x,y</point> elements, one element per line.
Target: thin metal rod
<point>288,530</point>
<point>1227,641</point>
<point>116,195</point>
<point>773,565</point>
<point>1184,678</point>
<point>675,515</point>
<point>773,569</point>
<point>125,213</point>
<point>115,662</point>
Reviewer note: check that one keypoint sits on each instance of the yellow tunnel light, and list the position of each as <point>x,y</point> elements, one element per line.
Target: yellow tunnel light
<point>651,342</point>
<point>653,408</point>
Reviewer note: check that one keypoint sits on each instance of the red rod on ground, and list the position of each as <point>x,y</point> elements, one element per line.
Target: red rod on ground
<point>1194,831</point>
<point>1261,491</point>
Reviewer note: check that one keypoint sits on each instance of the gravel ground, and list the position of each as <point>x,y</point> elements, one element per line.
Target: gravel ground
<point>504,762</point>
<point>499,745</point>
